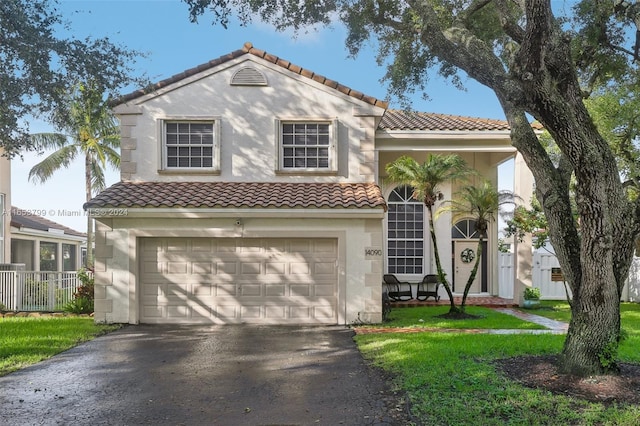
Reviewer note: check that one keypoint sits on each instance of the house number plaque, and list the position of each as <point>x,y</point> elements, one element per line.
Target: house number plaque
<point>372,253</point>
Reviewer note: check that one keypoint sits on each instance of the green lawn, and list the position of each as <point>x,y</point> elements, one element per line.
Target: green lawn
<point>26,341</point>
<point>450,380</point>
<point>427,317</point>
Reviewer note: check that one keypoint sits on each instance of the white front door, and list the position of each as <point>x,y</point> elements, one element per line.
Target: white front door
<point>465,253</point>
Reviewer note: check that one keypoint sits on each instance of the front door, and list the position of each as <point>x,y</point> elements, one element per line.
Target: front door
<point>465,253</point>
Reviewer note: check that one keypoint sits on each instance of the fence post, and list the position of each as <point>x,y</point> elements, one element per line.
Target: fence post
<point>16,288</point>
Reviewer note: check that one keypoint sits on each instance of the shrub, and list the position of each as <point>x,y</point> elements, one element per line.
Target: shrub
<point>531,293</point>
<point>79,305</point>
<point>82,302</point>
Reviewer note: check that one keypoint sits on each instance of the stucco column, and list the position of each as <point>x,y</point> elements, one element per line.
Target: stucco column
<point>523,187</point>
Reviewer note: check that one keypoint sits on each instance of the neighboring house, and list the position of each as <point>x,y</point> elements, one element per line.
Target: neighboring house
<point>252,190</point>
<point>38,243</point>
<point>43,245</point>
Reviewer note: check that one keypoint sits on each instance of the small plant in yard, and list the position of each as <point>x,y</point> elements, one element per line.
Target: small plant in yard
<point>82,302</point>
<point>531,293</point>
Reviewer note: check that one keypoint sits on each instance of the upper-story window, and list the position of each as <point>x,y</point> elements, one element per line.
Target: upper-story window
<point>190,145</point>
<point>307,146</point>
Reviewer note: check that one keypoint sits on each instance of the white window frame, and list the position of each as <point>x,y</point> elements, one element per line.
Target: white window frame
<point>215,161</point>
<point>416,243</point>
<point>332,147</point>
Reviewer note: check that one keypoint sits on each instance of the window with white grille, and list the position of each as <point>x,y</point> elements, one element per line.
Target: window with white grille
<point>307,146</point>
<point>405,232</point>
<point>190,145</point>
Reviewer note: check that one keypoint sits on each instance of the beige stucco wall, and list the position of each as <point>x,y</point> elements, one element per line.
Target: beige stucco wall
<point>248,131</point>
<point>5,190</point>
<point>360,275</point>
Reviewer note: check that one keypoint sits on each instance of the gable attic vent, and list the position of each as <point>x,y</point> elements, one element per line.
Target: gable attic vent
<point>248,77</point>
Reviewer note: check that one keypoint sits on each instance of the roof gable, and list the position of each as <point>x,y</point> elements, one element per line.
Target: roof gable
<point>248,49</point>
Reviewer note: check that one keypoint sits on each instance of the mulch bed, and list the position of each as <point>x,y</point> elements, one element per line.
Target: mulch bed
<point>541,372</point>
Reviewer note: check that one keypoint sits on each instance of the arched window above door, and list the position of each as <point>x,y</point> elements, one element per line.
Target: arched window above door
<point>465,229</point>
<point>405,232</point>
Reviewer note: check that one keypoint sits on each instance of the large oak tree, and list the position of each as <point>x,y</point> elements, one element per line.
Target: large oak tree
<point>40,60</point>
<point>538,65</point>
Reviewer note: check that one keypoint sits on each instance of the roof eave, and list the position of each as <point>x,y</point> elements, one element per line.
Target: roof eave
<point>371,212</point>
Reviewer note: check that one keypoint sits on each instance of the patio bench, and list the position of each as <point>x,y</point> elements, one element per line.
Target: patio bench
<point>395,288</point>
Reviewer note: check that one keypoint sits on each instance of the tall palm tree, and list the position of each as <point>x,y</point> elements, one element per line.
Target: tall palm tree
<point>482,204</point>
<point>92,132</point>
<point>426,180</point>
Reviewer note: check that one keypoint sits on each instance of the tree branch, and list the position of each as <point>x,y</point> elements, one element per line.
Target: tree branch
<point>509,22</point>
<point>459,47</point>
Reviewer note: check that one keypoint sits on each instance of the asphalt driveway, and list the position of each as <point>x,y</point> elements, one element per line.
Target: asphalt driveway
<point>203,375</point>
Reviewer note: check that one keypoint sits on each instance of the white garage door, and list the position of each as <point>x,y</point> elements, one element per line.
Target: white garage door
<point>227,280</point>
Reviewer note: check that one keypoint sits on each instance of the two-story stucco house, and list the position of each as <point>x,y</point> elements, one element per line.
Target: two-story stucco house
<point>253,191</point>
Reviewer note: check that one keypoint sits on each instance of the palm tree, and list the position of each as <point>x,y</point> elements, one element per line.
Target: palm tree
<point>426,180</point>
<point>482,204</point>
<point>92,132</point>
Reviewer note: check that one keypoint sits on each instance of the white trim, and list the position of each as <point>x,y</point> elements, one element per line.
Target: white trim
<point>46,234</point>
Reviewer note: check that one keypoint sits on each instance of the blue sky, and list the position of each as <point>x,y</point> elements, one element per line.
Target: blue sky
<point>161,29</point>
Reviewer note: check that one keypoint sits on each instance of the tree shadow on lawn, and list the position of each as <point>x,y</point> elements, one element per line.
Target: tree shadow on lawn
<point>541,372</point>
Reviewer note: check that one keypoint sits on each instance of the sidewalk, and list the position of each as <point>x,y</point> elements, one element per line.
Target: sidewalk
<point>553,327</point>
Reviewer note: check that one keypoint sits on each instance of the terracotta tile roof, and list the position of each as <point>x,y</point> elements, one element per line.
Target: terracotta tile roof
<point>26,219</point>
<point>248,48</point>
<point>239,195</point>
<point>409,120</point>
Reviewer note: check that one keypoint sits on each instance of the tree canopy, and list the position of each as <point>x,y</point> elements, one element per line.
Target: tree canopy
<point>40,64</point>
<point>540,62</point>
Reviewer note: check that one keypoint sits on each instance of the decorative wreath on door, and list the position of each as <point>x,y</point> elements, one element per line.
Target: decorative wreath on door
<point>467,255</point>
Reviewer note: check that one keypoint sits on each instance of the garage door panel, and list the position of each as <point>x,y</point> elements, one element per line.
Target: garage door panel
<point>250,268</point>
<point>323,290</point>
<point>275,290</point>
<point>203,289</point>
<point>205,280</point>
<point>200,268</point>
<point>230,268</point>
<point>250,290</point>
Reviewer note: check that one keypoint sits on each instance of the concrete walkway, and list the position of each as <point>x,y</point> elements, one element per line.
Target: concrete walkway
<point>555,327</point>
<point>552,326</point>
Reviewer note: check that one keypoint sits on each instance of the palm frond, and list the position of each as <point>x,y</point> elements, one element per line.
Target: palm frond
<point>426,178</point>
<point>98,182</point>
<point>48,141</point>
<point>59,159</point>
<point>480,202</point>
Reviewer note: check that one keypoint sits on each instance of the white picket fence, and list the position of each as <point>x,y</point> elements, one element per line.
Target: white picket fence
<point>544,276</point>
<point>37,291</point>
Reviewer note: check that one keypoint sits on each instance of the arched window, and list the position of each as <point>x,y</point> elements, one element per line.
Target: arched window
<point>465,229</point>
<point>405,232</point>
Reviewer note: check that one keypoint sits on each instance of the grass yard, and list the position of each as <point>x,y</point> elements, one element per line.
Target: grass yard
<point>26,341</point>
<point>450,378</point>
<point>427,317</point>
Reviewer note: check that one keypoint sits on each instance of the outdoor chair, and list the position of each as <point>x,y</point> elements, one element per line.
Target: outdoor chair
<point>428,287</point>
<point>395,288</point>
